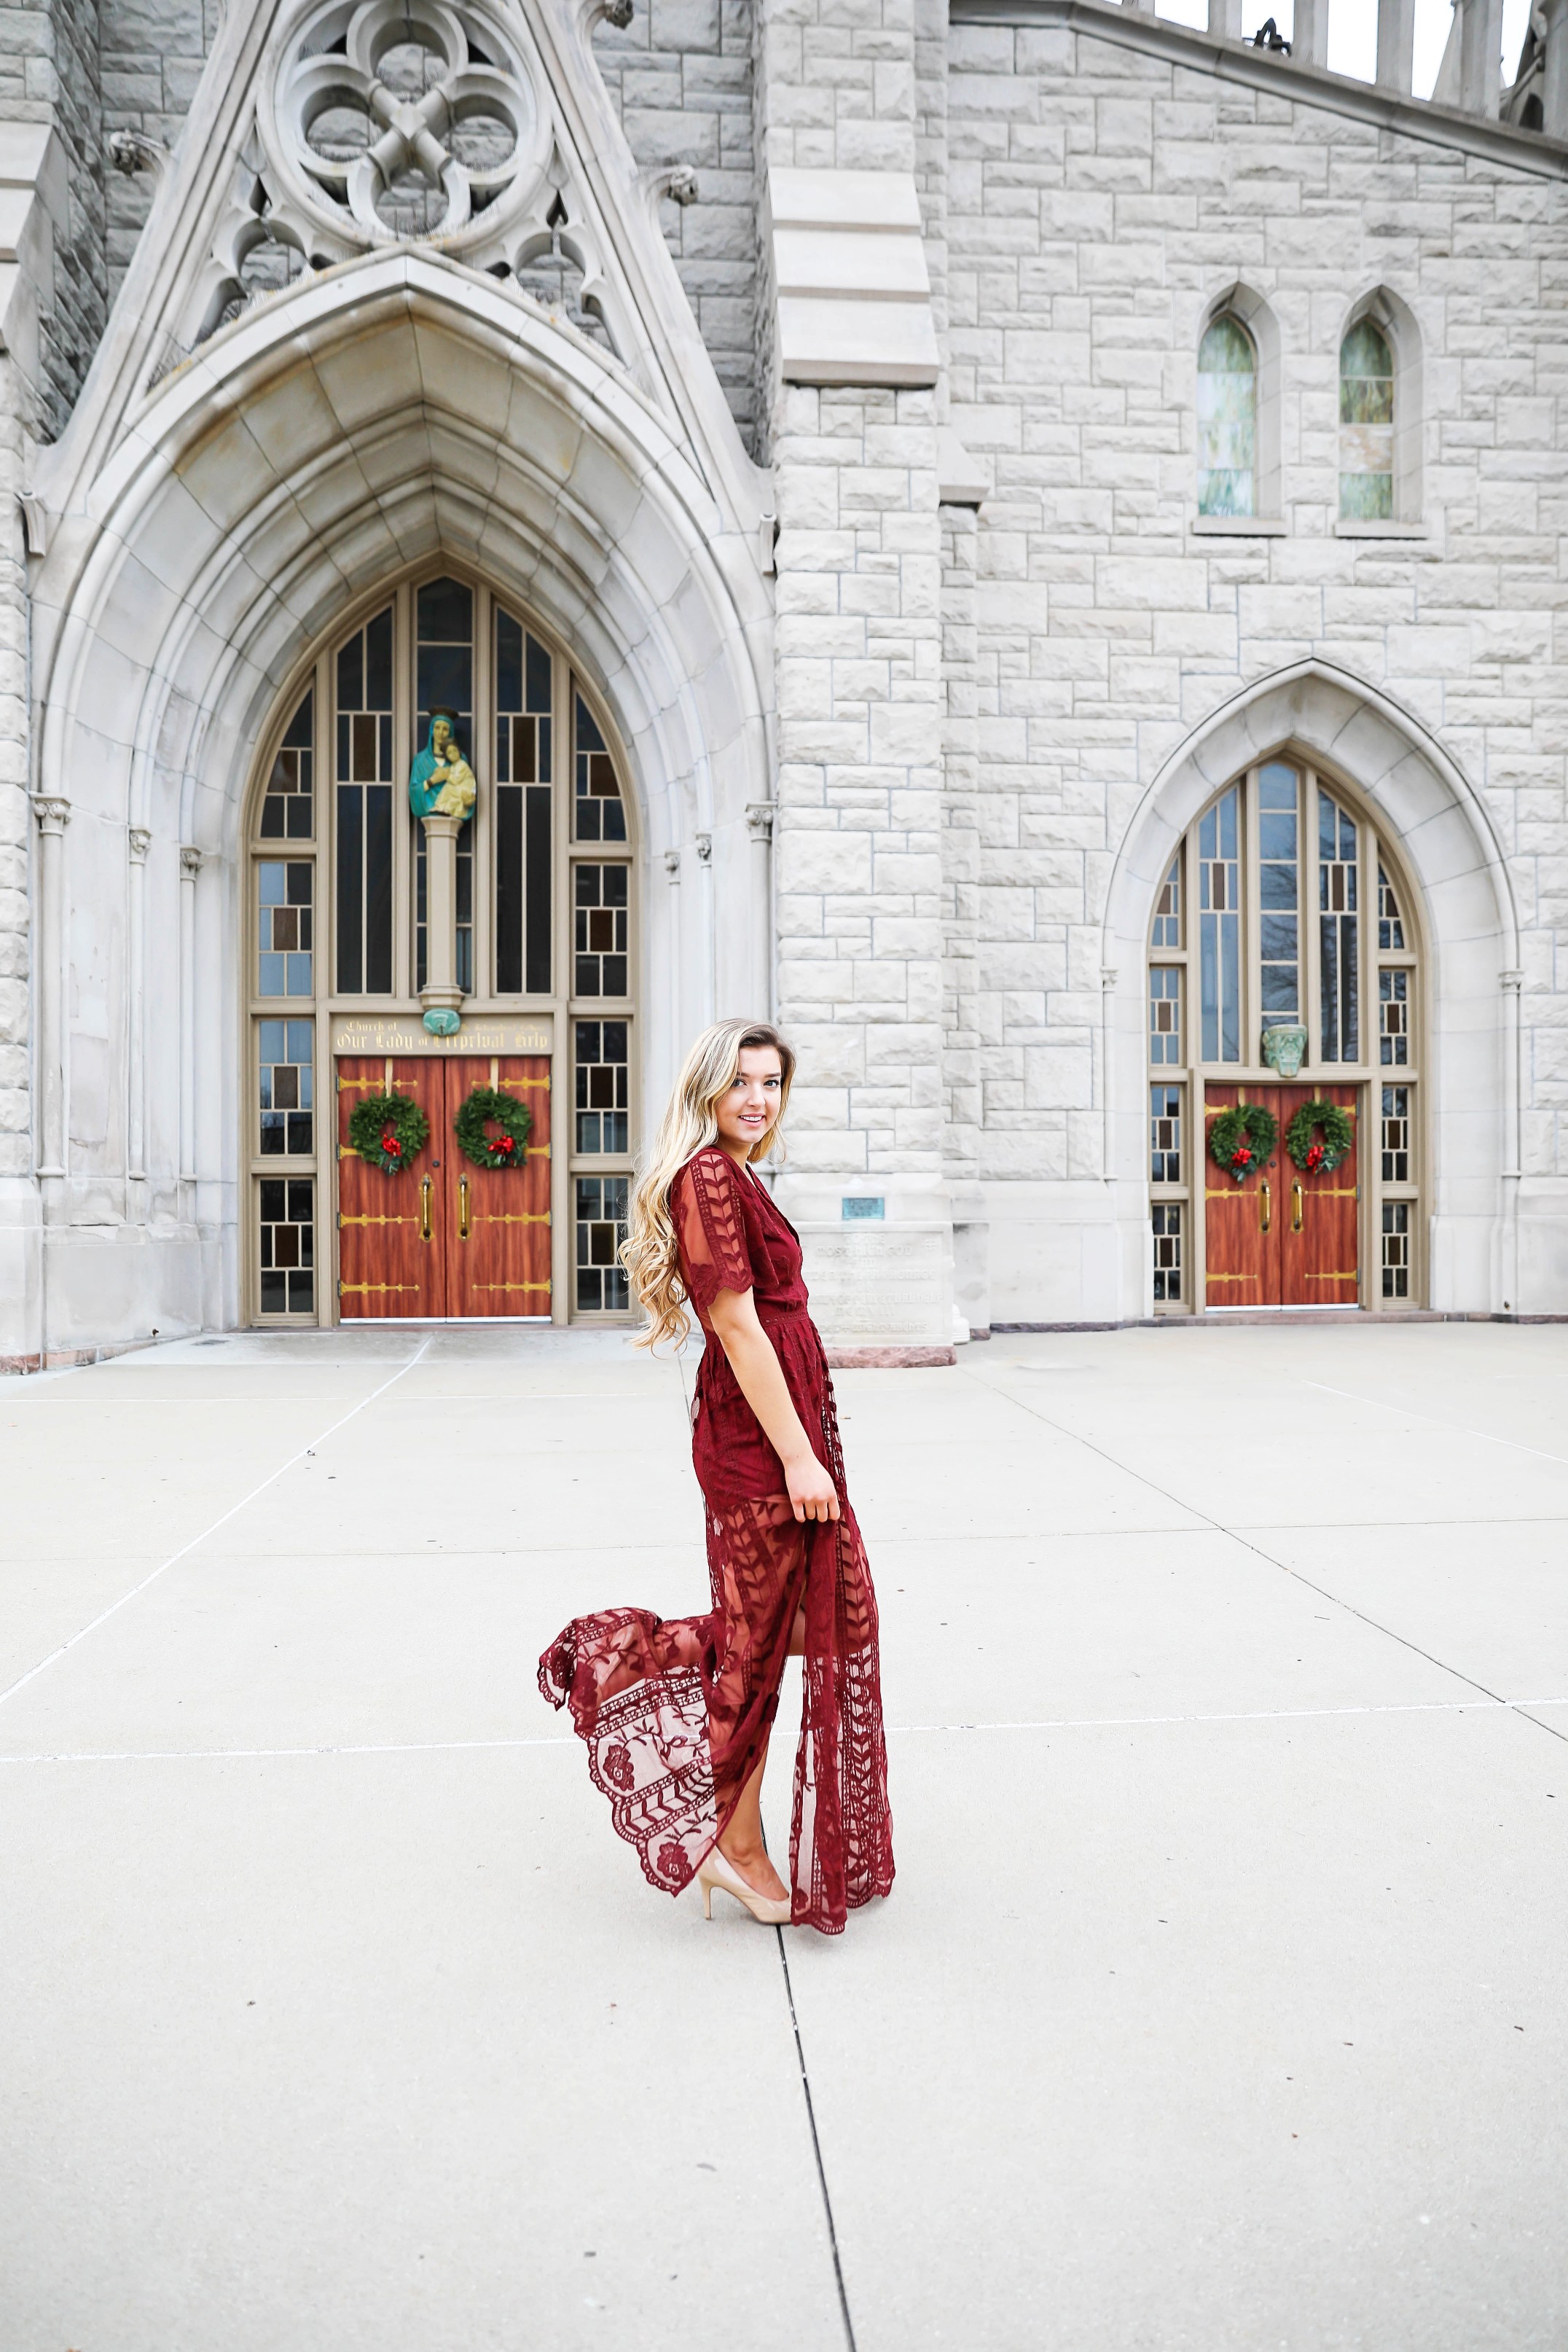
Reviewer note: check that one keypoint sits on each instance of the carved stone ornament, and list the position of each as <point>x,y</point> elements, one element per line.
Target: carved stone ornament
<point>399,118</point>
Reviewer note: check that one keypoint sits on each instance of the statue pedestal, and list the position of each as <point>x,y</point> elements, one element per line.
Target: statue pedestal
<point>440,993</point>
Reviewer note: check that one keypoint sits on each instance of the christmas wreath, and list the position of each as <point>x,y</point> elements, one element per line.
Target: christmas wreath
<point>391,1129</point>
<point>1301,1137</point>
<point>1240,1140</point>
<point>486,1108</point>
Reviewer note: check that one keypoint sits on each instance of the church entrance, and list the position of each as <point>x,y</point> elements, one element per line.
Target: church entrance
<point>442,899</point>
<point>444,1237</point>
<point>1285,1235</point>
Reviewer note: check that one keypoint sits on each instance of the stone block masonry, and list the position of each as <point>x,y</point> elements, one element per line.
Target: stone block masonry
<point>49,73</point>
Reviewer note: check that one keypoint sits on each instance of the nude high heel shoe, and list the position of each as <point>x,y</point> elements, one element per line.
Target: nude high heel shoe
<point>715,1871</point>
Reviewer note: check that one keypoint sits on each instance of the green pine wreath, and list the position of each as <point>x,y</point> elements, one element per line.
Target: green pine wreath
<point>1338,1137</point>
<point>1242,1140</point>
<point>389,1130</point>
<point>486,1108</point>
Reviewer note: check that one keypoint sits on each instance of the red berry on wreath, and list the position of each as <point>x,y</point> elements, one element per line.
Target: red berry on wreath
<point>1315,1158</point>
<point>390,1143</point>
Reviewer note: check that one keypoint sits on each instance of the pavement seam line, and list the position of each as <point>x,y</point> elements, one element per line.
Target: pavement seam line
<point>816,2147</point>
<point>222,1520</point>
<point>1284,1566</point>
<point>1454,1428</point>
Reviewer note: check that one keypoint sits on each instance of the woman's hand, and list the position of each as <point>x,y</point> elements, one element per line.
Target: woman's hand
<point>812,1495</point>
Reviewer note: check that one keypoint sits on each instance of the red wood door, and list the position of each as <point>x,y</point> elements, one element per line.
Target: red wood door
<point>391,1260</point>
<point>1320,1233</point>
<point>1242,1221</point>
<point>497,1220</point>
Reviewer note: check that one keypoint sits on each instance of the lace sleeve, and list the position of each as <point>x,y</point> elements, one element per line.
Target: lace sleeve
<point>712,1230</point>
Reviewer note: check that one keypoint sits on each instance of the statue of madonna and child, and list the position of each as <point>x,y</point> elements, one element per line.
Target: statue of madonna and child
<point>441,783</point>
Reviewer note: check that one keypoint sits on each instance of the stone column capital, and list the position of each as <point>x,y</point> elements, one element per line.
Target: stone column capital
<point>139,838</point>
<point>672,864</point>
<point>54,813</point>
<point>759,818</point>
<point>705,848</point>
<point>191,862</point>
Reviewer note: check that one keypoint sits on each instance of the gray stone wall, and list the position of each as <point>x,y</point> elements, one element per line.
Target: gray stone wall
<point>1098,200</point>
<point>680,74</point>
<point>153,52</point>
<point>49,71</point>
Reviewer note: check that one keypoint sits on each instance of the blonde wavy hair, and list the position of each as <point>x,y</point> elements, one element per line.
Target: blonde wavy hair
<point>649,1252</point>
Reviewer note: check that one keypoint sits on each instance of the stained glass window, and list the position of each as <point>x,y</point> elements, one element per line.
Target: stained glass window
<point>602,1075</point>
<point>1167,910</point>
<point>1165,1013</point>
<point>284,1084</point>
<point>1226,420</point>
<point>365,801</point>
<point>283,895</point>
<point>600,811</point>
<point>287,1206</point>
<point>1166,1219</point>
<point>601,1284</point>
<point>602,895</point>
<point>1280,890</point>
<point>523,757</point>
<point>1338,921</point>
<point>1165,1134</point>
<point>1365,426</point>
<point>1397,1135</point>
<point>443,681</point>
<point>1397,1249</point>
<point>1390,922</point>
<point>1393,1018</point>
<point>287,808</point>
<point>1219,929</point>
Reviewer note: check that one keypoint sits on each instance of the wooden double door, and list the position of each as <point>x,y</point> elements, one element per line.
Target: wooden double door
<point>444,1237</point>
<point>1288,1237</point>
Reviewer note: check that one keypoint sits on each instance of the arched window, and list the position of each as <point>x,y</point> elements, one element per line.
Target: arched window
<point>1283,970</point>
<point>1365,426</point>
<point>1227,419</point>
<point>337,950</point>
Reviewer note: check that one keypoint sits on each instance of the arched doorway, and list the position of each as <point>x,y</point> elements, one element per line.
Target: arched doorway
<point>337,957</point>
<point>1284,978</point>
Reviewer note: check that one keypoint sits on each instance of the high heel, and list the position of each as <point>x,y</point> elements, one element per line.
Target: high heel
<point>715,1872</point>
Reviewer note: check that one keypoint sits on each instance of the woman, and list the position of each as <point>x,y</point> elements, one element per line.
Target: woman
<point>676,1712</point>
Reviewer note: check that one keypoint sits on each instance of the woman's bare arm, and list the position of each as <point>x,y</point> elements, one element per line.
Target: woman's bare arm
<point>762,1383</point>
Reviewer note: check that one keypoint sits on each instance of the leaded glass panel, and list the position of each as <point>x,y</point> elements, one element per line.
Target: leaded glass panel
<point>1393,1018</point>
<point>1226,420</point>
<point>1390,922</point>
<point>285,1085</point>
<point>1365,426</point>
<point>600,813</point>
<point>1219,929</point>
<point>1165,1013</point>
<point>601,1284</point>
<point>1338,927</point>
<point>1166,1217</point>
<point>443,681</point>
<point>287,1244</point>
<point>1167,910</point>
<point>523,757</point>
<point>1396,1240</point>
<point>1397,1135</point>
<point>363,794</point>
<point>601,915</point>
<point>1278,873</point>
<point>287,808</point>
<point>284,893</point>
<point>1165,1134</point>
<point>604,1074</point>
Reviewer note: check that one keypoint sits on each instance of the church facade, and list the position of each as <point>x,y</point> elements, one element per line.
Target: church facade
<point>1026,540</point>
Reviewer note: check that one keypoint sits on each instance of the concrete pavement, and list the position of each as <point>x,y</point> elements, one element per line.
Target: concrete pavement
<point>1219,2003</point>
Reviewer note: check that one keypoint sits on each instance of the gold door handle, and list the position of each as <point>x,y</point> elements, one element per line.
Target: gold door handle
<point>1295,1208</point>
<point>1265,1208</point>
<point>427,1187</point>
<point>463,1208</point>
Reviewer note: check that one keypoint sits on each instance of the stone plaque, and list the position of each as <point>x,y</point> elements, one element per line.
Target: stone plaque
<point>871,1282</point>
<point>404,1032</point>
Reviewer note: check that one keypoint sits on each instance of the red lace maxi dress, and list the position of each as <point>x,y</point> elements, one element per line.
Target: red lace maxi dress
<point>676,1711</point>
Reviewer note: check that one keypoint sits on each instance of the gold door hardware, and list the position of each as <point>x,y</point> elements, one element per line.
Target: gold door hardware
<point>343,1221</point>
<point>1296,1198</point>
<point>426,1192</point>
<point>1265,1206</point>
<point>542,1220</point>
<point>508,1286</point>
<point>463,1208</point>
<point>371,1289</point>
